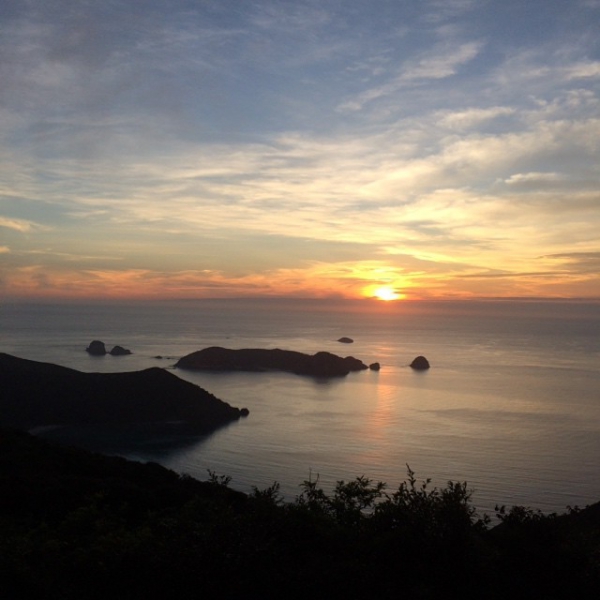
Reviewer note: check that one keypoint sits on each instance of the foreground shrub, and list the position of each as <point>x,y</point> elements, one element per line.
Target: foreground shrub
<point>76,525</point>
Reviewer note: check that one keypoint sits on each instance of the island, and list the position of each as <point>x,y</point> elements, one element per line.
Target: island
<point>321,364</point>
<point>36,395</point>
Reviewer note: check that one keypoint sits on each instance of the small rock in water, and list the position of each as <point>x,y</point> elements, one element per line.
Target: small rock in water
<point>420,363</point>
<point>375,366</point>
<point>120,351</point>
<point>96,348</point>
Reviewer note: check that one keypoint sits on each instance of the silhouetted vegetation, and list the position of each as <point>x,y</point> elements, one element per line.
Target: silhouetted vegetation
<point>79,525</point>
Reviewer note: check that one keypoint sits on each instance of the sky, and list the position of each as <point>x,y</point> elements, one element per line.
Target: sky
<point>418,149</point>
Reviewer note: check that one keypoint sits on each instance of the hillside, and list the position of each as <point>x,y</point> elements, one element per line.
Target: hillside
<point>79,525</point>
<point>35,394</point>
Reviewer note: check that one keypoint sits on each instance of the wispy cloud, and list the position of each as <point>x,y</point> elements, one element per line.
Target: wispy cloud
<point>583,263</point>
<point>473,117</point>
<point>19,225</point>
<point>440,63</point>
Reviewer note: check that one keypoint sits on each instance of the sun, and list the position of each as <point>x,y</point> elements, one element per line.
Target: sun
<point>386,294</point>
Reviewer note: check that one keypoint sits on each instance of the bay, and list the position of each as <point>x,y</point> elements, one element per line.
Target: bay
<point>511,403</point>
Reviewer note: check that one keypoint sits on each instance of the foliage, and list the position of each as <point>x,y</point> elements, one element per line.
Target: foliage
<point>78,525</point>
<point>349,504</point>
<point>215,479</point>
<point>520,515</point>
<point>444,511</point>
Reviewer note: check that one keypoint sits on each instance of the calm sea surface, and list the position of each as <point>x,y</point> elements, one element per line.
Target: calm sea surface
<point>511,403</point>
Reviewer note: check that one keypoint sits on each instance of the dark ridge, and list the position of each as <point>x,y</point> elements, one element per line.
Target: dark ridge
<point>321,364</point>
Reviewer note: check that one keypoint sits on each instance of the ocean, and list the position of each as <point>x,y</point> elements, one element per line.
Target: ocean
<point>511,403</point>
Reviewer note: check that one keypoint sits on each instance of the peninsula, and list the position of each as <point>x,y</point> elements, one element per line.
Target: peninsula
<point>36,395</point>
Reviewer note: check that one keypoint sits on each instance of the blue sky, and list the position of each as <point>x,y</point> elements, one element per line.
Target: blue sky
<point>220,148</point>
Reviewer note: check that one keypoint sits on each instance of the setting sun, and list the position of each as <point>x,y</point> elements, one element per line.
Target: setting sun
<point>386,294</point>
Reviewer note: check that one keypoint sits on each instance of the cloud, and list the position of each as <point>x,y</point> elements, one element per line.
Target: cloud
<point>583,263</point>
<point>473,117</point>
<point>335,189</point>
<point>19,225</point>
<point>583,70</point>
<point>440,63</point>
<point>66,256</point>
<point>534,180</point>
<point>438,11</point>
